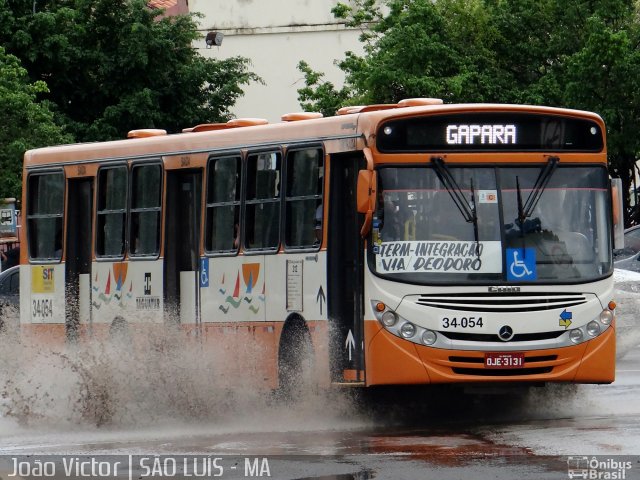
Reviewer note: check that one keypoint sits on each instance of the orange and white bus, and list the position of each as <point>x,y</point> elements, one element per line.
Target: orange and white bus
<point>412,243</point>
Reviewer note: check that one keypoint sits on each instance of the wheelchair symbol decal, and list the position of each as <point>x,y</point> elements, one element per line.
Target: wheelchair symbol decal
<point>204,272</point>
<point>521,264</point>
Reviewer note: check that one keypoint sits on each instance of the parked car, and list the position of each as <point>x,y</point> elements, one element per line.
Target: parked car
<point>629,263</point>
<point>9,294</point>
<point>631,244</point>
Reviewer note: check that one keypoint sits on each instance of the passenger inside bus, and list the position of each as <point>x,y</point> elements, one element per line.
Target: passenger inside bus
<point>393,224</point>
<point>57,253</point>
<point>236,235</point>
<point>318,225</point>
<point>9,258</point>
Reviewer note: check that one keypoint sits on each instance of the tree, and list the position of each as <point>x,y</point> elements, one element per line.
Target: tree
<point>604,76</point>
<point>417,49</point>
<point>114,65</point>
<point>580,54</point>
<point>26,122</point>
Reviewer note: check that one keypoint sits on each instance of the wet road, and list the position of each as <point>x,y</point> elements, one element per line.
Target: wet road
<point>395,435</point>
<point>529,437</point>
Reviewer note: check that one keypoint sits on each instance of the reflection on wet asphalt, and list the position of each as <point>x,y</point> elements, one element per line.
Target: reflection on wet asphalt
<point>365,475</point>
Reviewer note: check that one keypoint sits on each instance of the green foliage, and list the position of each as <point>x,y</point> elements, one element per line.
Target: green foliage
<point>577,53</point>
<point>91,70</point>
<point>26,122</point>
<point>114,65</point>
<point>318,95</point>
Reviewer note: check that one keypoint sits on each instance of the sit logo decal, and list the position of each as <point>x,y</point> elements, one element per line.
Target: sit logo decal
<point>42,279</point>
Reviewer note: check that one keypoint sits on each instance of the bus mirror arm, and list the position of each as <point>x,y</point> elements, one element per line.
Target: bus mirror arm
<point>366,225</point>
<point>367,194</point>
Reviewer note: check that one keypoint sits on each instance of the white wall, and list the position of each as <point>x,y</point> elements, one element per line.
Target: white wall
<point>275,35</point>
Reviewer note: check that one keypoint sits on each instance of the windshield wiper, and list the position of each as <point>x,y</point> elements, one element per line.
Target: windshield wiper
<point>525,211</point>
<point>468,212</point>
<point>521,216</point>
<point>474,211</point>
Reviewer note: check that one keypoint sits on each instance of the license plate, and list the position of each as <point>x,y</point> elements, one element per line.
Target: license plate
<point>504,360</point>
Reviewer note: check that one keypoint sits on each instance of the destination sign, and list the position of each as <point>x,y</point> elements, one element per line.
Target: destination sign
<point>490,131</point>
<point>481,134</point>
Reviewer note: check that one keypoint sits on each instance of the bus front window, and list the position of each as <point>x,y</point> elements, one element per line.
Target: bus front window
<point>567,231</point>
<point>421,235</point>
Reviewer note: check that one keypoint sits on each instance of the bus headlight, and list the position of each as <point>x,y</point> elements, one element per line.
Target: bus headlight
<point>576,335</point>
<point>408,330</point>
<point>389,318</point>
<point>429,337</point>
<point>397,325</point>
<point>606,317</point>
<point>593,328</point>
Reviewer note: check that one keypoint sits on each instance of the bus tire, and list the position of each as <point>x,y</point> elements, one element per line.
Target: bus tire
<point>119,329</point>
<point>295,360</point>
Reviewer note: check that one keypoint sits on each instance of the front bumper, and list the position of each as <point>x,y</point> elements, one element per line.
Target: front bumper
<point>393,360</point>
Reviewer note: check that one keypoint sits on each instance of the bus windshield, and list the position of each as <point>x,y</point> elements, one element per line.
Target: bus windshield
<point>422,235</point>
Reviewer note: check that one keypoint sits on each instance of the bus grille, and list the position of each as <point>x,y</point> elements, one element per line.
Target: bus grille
<point>503,302</point>
<point>488,337</point>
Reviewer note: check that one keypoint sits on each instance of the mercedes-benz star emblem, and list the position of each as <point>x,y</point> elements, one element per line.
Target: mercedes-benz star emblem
<point>505,333</point>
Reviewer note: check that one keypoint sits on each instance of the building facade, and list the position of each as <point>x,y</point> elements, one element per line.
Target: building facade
<point>275,36</point>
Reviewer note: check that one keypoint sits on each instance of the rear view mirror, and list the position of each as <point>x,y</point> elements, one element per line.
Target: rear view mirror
<point>618,217</point>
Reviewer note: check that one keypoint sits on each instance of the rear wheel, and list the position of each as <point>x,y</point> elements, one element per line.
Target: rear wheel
<point>295,361</point>
<point>119,332</point>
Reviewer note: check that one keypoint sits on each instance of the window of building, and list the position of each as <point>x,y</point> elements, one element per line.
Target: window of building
<point>112,211</point>
<point>303,214</point>
<point>223,205</point>
<point>45,193</point>
<point>146,201</point>
<point>262,221</point>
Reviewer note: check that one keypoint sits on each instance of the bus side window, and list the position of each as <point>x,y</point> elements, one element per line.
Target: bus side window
<point>262,224</point>
<point>112,211</point>
<point>223,205</point>
<point>146,204</point>
<point>44,215</point>
<point>303,213</point>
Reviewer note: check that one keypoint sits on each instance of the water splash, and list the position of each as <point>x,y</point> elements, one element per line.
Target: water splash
<point>160,378</point>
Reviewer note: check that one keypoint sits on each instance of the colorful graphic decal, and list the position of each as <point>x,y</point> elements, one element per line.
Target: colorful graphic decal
<point>119,273</point>
<point>565,319</point>
<point>250,275</point>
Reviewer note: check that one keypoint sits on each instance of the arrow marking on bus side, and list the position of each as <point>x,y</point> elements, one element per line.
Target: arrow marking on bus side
<point>321,298</point>
<point>350,344</point>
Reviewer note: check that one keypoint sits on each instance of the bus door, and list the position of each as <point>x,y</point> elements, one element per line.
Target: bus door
<point>345,281</point>
<point>182,245</point>
<point>78,255</point>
